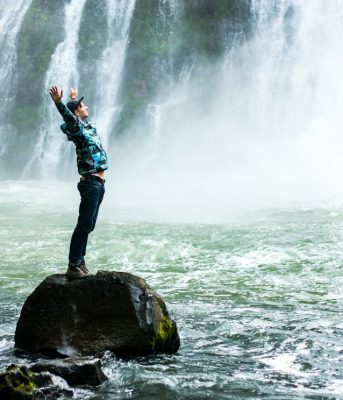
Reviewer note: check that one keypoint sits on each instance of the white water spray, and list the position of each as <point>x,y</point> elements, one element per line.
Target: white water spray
<point>110,64</point>
<point>289,98</point>
<point>266,130</point>
<point>259,126</point>
<point>11,19</point>
<point>62,71</point>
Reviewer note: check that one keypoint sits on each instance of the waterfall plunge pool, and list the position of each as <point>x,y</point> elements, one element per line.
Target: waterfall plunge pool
<point>258,300</point>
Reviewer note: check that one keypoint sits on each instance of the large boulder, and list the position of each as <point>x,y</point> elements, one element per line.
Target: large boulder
<point>113,311</point>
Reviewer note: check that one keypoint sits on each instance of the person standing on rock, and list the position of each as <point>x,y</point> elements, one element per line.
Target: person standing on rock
<point>91,164</point>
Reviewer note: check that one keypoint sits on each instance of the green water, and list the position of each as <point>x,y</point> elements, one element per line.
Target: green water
<point>258,300</point>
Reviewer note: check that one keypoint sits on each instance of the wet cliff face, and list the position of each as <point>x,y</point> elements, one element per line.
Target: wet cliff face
<point>40,33</point>
<point>154,43</point>
<point>167,38</point>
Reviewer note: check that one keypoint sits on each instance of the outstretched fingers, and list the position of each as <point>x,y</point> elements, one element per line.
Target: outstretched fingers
<point>53,90</point>
<point>56,94</point>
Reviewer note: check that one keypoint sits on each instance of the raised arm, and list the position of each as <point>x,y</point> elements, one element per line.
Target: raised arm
<point>56,94</point>
<point>73,94</point>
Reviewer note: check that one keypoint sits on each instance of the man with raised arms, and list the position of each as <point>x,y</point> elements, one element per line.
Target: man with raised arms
<point>91,164</point>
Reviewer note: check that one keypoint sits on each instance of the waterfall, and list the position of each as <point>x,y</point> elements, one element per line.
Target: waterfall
<point>170,15</point>
<point>191,87</point>
<point>280,68</point>
<point>261,124</point>
<point>11,19</point>
<point>62,71</point>
<point>110,65</point>
<point>288,84</point>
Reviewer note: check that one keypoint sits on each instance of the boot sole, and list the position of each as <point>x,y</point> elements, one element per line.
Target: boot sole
<point>75,275</point>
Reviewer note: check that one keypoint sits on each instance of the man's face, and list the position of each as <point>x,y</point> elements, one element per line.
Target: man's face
<point>82,111</point>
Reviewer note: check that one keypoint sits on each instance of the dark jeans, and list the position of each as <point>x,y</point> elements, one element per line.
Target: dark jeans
<point>92,193</point>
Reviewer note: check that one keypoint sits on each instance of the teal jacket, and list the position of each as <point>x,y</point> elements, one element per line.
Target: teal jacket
<point>91,157</point>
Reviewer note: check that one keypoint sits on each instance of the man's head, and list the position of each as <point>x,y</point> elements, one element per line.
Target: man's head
<point>78,108</point>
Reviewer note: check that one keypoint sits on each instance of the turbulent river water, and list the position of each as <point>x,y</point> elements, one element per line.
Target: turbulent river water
<point>258,300</point>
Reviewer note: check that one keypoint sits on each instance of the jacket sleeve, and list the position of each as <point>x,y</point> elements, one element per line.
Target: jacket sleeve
<point>72,125</point>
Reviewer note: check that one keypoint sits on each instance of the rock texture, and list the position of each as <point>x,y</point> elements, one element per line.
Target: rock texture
<point>75,371</point>
<point>113,311</point>
<point>19,383</point>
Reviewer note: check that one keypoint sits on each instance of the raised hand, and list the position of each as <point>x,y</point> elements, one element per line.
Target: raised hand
<point>73,93</point>
<point>56,94</point>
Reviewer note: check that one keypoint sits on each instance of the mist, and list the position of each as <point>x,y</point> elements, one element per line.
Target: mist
<point>258,128</point>
<point>192,133</point>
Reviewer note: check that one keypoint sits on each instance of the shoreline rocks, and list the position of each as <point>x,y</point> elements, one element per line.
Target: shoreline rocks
<point>110,310</point>
<point>20,383</point>
<point>75,371</point>
<point>50,379</point>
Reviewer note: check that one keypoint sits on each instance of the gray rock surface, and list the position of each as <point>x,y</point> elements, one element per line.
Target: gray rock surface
<point>75,371</point>
<point>113,311</point>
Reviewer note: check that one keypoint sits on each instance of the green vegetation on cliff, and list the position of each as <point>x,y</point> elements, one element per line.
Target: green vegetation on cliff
<point>166,38</point>
<point>164,41</point>
<point>40,33</point>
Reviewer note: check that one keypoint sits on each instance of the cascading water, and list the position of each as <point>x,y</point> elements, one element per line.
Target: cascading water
<point>263,127</point>
<point>269,92</point>
<point>110,65</point>
<point>287,84</point>
<point>222,123</point>
<point>283,67</point>
<point>170,12</point>
<point>62,71</point>
<point>11,19</point>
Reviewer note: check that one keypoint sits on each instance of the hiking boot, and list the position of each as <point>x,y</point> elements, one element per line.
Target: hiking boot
<point>83,267</point>
<point>76,271</point>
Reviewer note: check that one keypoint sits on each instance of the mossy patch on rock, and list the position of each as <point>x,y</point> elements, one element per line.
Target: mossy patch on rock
<point>166,329</point>
<point>17,382</point>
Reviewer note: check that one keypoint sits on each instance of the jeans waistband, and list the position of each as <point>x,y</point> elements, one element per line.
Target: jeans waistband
<point>92,178</point>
